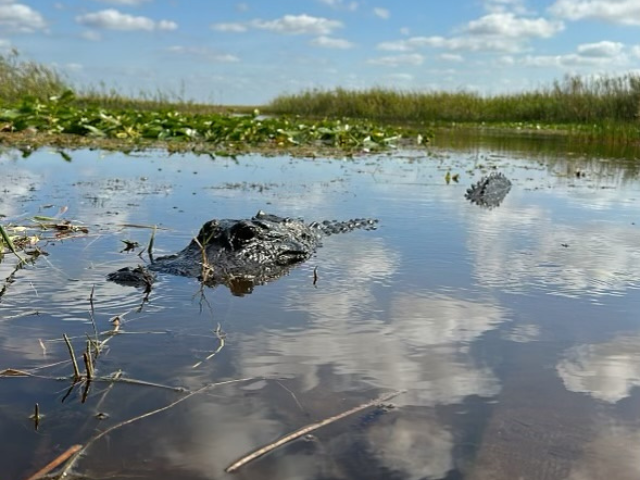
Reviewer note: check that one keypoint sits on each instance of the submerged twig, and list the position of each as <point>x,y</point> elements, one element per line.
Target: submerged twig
<point>36,416</point>
<point>292,394</point>
<point>97,437</point>
<point>76,371</point>
<point>150,247</point>
<point>54,463</point>
<point>221,336</point>
<point>207,269</point>
<point>87,364</point>
<point>304,430</point>
<point>92,313</point>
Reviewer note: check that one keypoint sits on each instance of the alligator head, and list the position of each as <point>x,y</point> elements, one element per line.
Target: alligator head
<point>244,253</point>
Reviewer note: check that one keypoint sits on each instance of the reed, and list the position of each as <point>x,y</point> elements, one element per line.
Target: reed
<point>574,100</point>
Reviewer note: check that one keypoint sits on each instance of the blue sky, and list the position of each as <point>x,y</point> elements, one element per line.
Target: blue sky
<point>248,52</point>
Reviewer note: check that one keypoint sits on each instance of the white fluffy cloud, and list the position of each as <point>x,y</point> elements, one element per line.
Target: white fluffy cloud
<point>624,12</point>
<point>508,25</point>
<point>497,32</point>
<point>606,371</point>
<point>600,49</point>
<point>298,25</point>
<point>414,59</point>
<point>600,54</point>
<point>112,19</point>
<point>468,43</point>
<point>131,3</point>
<point>229,27</point>
<point>203,52</point>
<point>341,5</point>
<point>19,18</point>
<point>328,42</point>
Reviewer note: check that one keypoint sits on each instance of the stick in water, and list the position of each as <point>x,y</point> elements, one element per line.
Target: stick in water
<point>304,430</point>
<point>53,464</point>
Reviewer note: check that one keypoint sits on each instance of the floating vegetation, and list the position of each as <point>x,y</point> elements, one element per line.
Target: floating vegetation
<point>14,238</point>
<point>61,114</point>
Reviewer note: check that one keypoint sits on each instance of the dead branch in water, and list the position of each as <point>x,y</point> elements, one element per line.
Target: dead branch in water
<point>97,437</point>
<point>74,362</point>
<point>54,463</point>
<point>304,430</point>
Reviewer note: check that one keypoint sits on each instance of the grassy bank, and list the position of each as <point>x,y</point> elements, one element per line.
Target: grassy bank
<point>37,106</point>
<point>604,107</point>
<point>35,98</point>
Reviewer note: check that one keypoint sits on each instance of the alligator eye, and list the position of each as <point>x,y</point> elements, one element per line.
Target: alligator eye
<point>240,234</point>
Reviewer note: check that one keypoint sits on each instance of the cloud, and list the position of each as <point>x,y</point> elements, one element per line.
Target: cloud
<point>400,77</point>
<point>594,54</point>
<point>481,43</point>
<point>500,6</point>
<point>229,27</point>
<point>607,371</point>
<point>496,32</point>
<point>328,42</point>
<point>451,57</point>
<point>112,19</point>
<point>600,49</point>
<point>623,12</point>
<point>508,25</point>
<point>203,52</point>
<point>341,5</point>
<point>414,59</point>
<point>381,13</point>
<point>132,3</point>
<point>298,25</point>
<point>19,18</point>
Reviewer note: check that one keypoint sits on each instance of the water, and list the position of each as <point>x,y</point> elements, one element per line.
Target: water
<point>514,331</point>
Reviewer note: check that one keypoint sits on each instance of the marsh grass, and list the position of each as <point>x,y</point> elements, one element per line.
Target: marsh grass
<point>37,96</point>
<point>607,106</point>
<point>20,78</point>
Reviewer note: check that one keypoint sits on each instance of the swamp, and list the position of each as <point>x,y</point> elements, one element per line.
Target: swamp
<point>458,298</point>
<point>453,341</point>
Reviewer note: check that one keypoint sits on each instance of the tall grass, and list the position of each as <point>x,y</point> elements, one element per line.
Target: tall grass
<point>572,100</point>
<point>20,78</point>
<point>24,78</point>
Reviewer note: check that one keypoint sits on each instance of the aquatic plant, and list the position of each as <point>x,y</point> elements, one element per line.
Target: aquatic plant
<point>61,115</point>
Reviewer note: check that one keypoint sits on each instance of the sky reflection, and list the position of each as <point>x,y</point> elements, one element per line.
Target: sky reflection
<point>512,330</point>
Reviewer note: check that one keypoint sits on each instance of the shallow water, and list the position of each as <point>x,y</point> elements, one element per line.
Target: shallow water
<point>514,330</point>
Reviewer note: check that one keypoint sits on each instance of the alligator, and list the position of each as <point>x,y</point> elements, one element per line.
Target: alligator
<point>490,191</point>
<point>242,253</point>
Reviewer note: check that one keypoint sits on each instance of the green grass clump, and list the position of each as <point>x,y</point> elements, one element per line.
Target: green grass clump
<point>20,78</point>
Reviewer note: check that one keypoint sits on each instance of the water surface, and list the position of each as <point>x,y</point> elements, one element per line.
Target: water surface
<point>513,331</point>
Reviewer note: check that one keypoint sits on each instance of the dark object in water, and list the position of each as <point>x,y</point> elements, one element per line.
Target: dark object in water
<point>490,191</point>
<point>244,253</point>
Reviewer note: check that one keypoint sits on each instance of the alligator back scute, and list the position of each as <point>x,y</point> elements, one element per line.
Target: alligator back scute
<point>489,191</point>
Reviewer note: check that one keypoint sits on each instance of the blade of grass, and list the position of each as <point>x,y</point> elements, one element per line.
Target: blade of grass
<point>6,239</point>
